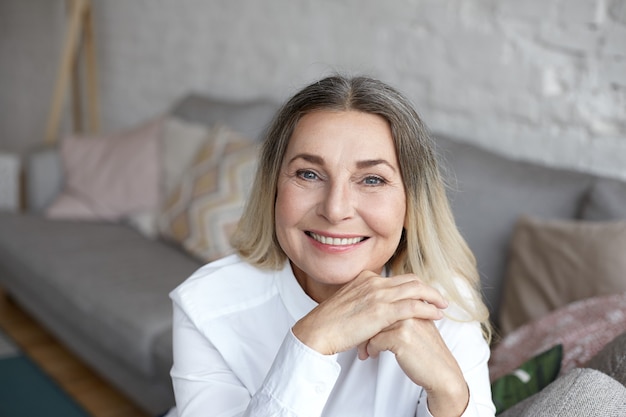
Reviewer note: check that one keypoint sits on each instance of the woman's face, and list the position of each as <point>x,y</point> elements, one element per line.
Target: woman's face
<point>341,204</point>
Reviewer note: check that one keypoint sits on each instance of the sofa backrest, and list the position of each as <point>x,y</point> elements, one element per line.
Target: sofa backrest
<point>489,192</point>
<point>250,118</point>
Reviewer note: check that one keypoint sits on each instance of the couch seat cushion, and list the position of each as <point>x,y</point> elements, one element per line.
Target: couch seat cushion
<point>109,282</point>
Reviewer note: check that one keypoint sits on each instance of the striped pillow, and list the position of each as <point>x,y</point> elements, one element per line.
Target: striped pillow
<point>203,209</point>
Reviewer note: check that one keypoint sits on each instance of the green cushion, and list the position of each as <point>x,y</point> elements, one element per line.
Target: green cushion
<point>530,378</point>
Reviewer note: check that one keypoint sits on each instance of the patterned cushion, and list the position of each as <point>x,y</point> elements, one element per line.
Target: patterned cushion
<point>204,208</point>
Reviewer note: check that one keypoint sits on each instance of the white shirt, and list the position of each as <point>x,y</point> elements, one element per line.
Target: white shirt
<point>235,355</point>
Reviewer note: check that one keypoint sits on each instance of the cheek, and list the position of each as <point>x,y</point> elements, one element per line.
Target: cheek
<point>387,217</point>
<point>288,207</point>
<point>280,210</point>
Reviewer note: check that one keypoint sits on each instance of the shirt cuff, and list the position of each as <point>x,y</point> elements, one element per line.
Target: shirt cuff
<point>301,378</point>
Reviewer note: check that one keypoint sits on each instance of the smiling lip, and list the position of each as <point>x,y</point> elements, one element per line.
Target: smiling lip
<point>336,241</point>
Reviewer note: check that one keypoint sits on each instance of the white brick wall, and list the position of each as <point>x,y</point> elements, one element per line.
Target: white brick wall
<point>543,80</point>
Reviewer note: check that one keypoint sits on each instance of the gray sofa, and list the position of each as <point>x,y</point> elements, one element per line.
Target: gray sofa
<point>102,287</point>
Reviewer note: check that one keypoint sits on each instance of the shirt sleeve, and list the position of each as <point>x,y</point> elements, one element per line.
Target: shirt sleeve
<point>298,384</point>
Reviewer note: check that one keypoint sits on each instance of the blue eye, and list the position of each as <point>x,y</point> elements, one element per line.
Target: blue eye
<point>307,175</point>
<point>372,180</point>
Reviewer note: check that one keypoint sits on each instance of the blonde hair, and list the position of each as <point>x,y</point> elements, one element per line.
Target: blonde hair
<point>430,247</point>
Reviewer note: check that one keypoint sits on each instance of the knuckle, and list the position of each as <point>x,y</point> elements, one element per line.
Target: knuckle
<point>416,305</point>
<point>421,308</point>
<point>380,310</point>
<point>404,331</point>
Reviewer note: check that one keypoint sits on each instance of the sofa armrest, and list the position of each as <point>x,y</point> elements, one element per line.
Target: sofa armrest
<point>611,360</point>
<point>581,392</point>
<point>44,178</point>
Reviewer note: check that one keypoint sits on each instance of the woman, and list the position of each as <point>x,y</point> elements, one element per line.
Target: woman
<point>352,292</point>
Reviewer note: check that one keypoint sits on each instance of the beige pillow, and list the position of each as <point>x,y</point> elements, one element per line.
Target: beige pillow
<point>110,177</point>
<point>204,208</point>
<point>555,262</point>
<point>180,140</point>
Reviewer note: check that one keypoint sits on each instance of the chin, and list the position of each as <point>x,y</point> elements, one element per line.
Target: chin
<point>336,277</point>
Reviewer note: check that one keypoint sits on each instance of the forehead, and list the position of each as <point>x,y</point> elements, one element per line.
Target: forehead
<point>348,134</point>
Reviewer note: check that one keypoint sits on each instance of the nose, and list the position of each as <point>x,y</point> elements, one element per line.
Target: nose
<point>338,202</point>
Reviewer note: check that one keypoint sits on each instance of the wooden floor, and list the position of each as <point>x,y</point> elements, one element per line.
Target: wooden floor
<point>94,394</point>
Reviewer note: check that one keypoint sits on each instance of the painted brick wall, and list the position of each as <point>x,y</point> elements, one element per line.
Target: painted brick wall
<point>543,80</point>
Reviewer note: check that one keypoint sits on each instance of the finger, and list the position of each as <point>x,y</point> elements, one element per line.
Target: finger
<point>392,337</point>
<point>362,350</point>
<point>379,343</point>
<point>401,287</point>
<point>416,309</point>
<point>410,286</point>
<point>373,351</point>
<point>406,337</point>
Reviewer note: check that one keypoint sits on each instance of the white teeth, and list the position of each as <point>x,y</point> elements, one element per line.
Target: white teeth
<point>335,241</point>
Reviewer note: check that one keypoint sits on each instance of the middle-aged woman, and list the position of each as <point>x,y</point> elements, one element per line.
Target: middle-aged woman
<point>352,293</point>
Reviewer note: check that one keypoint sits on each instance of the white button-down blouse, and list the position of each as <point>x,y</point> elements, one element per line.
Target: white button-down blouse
<point>235,355</point>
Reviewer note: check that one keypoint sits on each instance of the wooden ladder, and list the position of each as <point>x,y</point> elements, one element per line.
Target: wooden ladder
<point>79,36</point>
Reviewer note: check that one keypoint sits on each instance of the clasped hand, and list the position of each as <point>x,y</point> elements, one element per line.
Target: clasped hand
<point>396,314</point>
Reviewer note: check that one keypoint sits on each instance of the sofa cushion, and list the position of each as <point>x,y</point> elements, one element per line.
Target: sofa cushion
<point>107,281</point>
<point>163,353</point>
<point>582,392</point>
<point>583,328</point>
<point>111,176</point>
<point>606,201</point>
<point>555,262</point>
<point>179,142</point>
<point>489,193</point>
<point>205,207</point>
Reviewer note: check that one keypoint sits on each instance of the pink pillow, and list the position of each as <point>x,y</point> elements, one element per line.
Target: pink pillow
<point>583,328</point>
<point>110,177</point>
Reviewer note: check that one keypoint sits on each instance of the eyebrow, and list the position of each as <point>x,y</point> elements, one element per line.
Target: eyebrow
<point>373,162</point>
<point>309,158</point>
<point>360,164</point>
